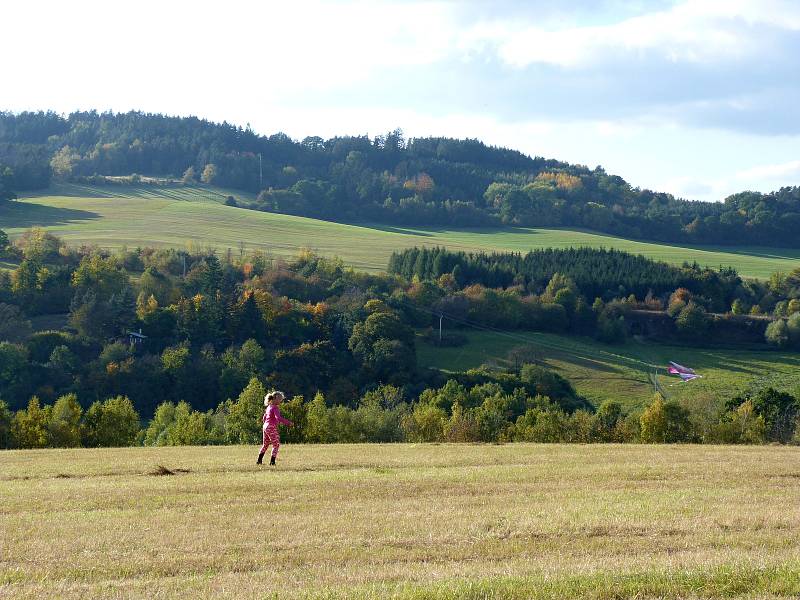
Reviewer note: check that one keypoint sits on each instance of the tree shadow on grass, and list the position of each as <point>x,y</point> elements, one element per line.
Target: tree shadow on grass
<point>431,230</point>
<point>392,229</point>
<point>25,214</point>
<point>580,361</point>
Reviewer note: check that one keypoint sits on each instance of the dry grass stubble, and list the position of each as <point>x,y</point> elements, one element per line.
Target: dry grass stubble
<point>406,520</point>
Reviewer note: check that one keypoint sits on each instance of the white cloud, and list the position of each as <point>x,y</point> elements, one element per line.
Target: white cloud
<point>694,32</point>
<point>787,171</point>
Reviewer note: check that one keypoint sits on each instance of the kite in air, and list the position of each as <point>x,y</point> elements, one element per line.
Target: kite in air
<point>685,373</point>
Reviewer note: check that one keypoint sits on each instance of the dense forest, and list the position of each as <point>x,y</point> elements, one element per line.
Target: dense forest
<point>387,179</point>
<point>596,272</point>
<point>603,292</point>
<point>162,346</point>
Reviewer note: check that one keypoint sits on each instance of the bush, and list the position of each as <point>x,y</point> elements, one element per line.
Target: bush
<point>244,422</point>
<point>545,425</point>
<point>318,424</point>
<point>491,419</point>
<point>425,423</point>
<point>540,381</point>
<point>342,428</point>
<point>163,418</point>
<point>181,426</point>
<point>190,428</point>
<point>665,423</point>
<point>779,410</point>
<point>777,334</point>
<point>112,423</point>
<point>64,427</point>
<point>605,427</point>
<point>692,321</point>
<point>373,423</point>
<point>581,427</point>
<point>29,427</point>
<point>462,426</point>
<point>741,426</point>
<point>295,411</point>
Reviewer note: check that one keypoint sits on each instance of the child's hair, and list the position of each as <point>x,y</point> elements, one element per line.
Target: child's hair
<point>271,396</point>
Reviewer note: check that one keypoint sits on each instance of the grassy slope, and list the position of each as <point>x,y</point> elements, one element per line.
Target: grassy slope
<point>113,216</point>
<point>408,521</point>
<point>603,372</point>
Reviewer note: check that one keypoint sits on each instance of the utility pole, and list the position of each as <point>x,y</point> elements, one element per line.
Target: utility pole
<point>441,316</point>
<point>260,174</point>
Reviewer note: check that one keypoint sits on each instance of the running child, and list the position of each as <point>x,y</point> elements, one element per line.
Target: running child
<point>272,416</point>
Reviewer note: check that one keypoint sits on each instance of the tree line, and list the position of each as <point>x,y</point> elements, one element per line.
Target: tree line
<point>590,291</point>
<point>387,178</point>
<point>452,413</point>
<point>596,272</point>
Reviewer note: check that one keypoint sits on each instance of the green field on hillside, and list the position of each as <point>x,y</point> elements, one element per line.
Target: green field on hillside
<point>402,521</point>
<point>623,372</point>
<point>174,215</point>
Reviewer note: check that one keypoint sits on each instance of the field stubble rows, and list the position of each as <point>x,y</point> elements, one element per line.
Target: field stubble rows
<point>514,520</point>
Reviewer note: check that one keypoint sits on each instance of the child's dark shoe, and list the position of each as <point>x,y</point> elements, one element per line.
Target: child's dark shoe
<point>272,461</point>
<point>260,458</point>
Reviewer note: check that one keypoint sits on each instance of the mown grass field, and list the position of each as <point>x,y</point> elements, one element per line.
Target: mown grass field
<point>147,215</point>
<point>403,521</point>
<point>623,372</point>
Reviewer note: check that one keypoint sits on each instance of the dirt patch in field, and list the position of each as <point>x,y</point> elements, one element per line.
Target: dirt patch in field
<point>161,470</point>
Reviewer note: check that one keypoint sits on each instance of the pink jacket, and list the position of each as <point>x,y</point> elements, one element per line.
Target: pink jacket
<point>272,416</point>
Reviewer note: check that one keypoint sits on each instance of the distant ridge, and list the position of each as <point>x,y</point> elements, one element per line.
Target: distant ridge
<point>387,179</point>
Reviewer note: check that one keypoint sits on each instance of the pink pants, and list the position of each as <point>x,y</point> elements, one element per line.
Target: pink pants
<point>271,436</point>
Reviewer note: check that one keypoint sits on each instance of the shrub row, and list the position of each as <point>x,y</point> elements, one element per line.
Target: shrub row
<point>452,413</point>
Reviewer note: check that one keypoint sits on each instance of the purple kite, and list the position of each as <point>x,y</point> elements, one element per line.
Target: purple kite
<point>685,373</point>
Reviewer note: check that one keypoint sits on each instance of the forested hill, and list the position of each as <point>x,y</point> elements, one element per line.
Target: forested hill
<point>387,179</point>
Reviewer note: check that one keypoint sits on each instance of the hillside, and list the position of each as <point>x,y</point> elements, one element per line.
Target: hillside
<point>175,215</point>
<point>387,179</point>
<point>624,372</point>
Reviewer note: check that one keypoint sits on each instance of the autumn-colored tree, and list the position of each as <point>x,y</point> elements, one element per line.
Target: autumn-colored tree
<point>210,173</point>
<point>189,176</point>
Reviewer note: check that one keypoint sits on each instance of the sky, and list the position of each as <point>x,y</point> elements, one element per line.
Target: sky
<point>698,98</point>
